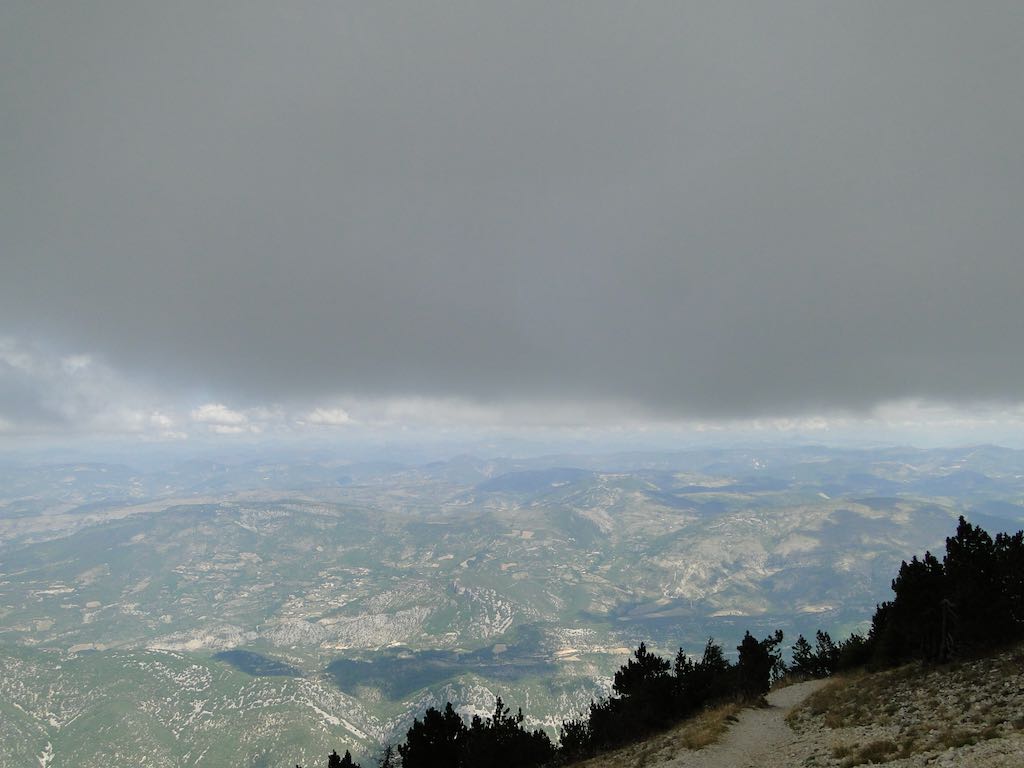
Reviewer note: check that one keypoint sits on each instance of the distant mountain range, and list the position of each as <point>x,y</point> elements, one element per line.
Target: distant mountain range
<point>206,613</point>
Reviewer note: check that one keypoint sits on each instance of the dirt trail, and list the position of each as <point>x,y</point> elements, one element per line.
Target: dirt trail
<point>759,738</point>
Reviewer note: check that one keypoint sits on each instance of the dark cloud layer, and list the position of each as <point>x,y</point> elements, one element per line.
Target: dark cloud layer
<point>711,209</point>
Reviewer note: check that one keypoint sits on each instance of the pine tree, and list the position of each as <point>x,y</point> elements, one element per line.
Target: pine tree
<point>758,662</point>
<point>640,672</point>
<point>335,761</point>
<point>387,757</point>
<point>574,738</point>
<point>803,658</point>
<point>913,625</point>
<point>434,742</point>
<point>826,655</point>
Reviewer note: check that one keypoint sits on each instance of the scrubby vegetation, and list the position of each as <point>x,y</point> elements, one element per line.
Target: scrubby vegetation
<point>970,602</point>
<point>916,710</point>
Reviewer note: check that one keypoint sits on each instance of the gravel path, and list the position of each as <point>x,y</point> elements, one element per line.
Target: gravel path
<point>760,738</point>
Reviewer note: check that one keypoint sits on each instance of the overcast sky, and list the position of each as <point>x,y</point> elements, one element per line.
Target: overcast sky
<point>709,211</point>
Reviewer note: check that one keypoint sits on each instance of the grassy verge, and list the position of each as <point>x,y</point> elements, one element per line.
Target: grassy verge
<point>708,727</point>
<point>696,733</point>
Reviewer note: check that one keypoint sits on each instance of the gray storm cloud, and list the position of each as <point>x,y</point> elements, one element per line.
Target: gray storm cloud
<point>710,209</point>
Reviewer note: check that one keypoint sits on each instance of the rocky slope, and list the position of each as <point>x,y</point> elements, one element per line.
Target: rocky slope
<point>970,714</point>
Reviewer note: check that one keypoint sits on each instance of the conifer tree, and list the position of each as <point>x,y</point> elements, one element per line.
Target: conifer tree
<point>434,742</point>
<point>387,757</point>
<point>758,662</point>
<point>826,655</point>
<point>803,657</point>
<point>640,671</point>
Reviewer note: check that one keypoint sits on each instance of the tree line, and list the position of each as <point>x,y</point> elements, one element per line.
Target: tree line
<point>966,604</point>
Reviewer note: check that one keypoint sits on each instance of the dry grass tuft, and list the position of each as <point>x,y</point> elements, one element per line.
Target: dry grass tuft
<point>880,751</point>
<point>708,727</point>
<point>956,737</point>
<point>843,702</point>
<point>961,737</point>
<point>839,751</point>
<point>701,731</point>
